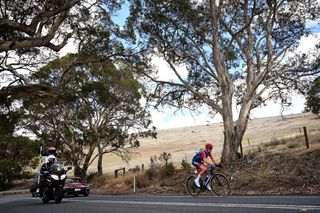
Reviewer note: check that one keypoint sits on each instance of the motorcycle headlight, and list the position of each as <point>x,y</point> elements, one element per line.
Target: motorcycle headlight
<point>63,177</point>
<point>55,177</point>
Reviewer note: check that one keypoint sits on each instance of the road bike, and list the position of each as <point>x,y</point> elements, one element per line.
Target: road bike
<point>219,184</point>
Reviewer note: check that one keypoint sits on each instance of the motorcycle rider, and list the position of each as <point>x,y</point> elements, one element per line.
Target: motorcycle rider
<point>45,153</point>
<point>44,171</point>
<point>46,166</point>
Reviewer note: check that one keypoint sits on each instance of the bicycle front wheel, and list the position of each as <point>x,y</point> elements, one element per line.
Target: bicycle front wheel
<point>220,185</point>
<point>191,187</point>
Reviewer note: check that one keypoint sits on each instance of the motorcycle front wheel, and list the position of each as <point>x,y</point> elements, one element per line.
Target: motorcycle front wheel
<point>45,196</point>
<point>58,194</point>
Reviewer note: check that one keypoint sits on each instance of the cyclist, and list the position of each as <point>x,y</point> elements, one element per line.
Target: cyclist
<point>201,160</point>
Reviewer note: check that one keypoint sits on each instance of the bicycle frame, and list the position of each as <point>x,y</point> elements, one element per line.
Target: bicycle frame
<point>218,181</point>
<point>204,186</point>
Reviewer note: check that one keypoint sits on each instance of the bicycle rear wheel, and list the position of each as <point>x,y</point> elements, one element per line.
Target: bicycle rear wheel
<point>220,185</point>
<point>191,187</point>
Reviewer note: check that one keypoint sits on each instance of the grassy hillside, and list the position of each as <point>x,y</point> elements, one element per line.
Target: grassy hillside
<point>278,167</point>
<point>182,143</point>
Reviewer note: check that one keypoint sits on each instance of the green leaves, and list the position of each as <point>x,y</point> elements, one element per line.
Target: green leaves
<point>17,153</point>
<point>98,104</point>
<point>313,97</point>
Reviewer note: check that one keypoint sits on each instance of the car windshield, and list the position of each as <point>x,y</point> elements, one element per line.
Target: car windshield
<point>73,181</point>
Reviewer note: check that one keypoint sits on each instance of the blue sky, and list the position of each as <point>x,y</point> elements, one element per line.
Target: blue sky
<point>121,15</point>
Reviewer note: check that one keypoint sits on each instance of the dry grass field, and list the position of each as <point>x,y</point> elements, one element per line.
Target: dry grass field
<point>182,143</point>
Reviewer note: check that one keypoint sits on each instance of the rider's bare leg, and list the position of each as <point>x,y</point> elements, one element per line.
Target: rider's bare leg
<point>202,171</point>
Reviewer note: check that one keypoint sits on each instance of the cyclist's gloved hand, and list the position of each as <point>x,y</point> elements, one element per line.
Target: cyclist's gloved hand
<point>220,165</point>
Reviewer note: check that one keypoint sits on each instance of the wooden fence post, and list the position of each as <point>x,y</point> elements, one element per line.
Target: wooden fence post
<point>142,167</point>
<point>134,182</point>
<point>117,170</point>
<point>306,136</point>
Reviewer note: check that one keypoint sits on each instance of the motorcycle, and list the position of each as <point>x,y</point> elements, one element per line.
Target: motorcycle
<point>52,183</point>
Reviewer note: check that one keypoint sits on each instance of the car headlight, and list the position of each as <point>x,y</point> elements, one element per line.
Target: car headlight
<point>63,177</point>
<point>55,177</point>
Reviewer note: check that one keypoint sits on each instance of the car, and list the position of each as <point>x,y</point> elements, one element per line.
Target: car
<point>74,186</point>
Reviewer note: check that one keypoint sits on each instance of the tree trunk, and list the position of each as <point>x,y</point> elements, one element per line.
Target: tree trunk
<point>233,135</point>
<point>229,145</point>
<point>99,165</point>
<point>86,162</point>
<point>77,171</point>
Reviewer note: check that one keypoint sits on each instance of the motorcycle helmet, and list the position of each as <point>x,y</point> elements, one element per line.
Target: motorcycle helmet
<point>51,158</point>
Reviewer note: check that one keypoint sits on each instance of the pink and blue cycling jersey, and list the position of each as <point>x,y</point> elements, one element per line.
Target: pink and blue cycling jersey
<point>197,160</point>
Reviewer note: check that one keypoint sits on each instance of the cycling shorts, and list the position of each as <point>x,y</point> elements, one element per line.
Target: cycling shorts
<point>197,164</point>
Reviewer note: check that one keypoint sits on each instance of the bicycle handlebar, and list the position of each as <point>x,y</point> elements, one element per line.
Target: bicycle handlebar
<point>219,167</point>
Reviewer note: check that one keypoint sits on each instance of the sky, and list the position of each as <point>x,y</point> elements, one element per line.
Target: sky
<point>170,118</point>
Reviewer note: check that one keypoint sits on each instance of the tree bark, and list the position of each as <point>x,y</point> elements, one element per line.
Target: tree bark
<point>86,162</point>
<point>77,170</point>
<point>233,135</point>
<point>100,157</point>
<point>31,89</point>
<point>33,31</point>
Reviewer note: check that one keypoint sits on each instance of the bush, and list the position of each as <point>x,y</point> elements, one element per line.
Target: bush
<point>292,145</point>
<point>128,180</point>
<point>275,142</point>
<point>98,181</point>
<point>185,165</point>
<point>152,173</point>
<point>142,181</point>
<point>91,176</point>
<point>167,171</point>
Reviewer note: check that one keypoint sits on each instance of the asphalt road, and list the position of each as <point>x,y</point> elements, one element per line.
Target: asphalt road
<point>156,204</point>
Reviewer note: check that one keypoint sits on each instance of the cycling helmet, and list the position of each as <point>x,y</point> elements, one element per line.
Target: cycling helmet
<point>209,146</point>
<point>51,158</point>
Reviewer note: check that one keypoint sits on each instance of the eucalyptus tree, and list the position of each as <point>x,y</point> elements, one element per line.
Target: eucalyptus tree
<point>33,32</point>
<point>17,153</point>
<point>313,97</point>
<point>98,108</point>
<point>236,54</point>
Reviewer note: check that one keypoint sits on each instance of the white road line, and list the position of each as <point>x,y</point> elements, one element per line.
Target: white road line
<point>223,205</point>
